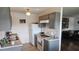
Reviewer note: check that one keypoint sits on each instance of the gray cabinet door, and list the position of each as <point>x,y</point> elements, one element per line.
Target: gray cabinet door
<point>52,20</point>
<point>57,20</point>
<point>52,45</point>
<point>5,19</point>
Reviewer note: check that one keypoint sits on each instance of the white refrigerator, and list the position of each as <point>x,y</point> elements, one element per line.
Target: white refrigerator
<point>35,29</point>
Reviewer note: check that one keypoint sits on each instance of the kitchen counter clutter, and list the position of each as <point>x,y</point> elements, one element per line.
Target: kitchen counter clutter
<point>47,43</point>
<point>10,47</point>
<point>46,37</point>
<point>10,43</point>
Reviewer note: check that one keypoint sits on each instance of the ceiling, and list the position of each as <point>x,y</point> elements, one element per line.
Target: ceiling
<point>70,11</point>
<point>35,10</point>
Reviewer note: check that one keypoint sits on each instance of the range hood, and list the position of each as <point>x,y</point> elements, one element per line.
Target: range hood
<point>44,21</point>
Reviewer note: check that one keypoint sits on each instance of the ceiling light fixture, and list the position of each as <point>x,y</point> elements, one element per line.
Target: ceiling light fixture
<point>28,13</point>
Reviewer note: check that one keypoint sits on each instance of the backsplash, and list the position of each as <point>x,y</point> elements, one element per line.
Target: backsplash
<point>52,32</point>
<point>48,31</point>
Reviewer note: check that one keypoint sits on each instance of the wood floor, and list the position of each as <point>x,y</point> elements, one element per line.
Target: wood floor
<point>70,46</point>
<point>29,47</point>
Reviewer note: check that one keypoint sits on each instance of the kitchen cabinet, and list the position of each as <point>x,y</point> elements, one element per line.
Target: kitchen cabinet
<point>65,23</point>
<point>43,20</point>
<point>54,20</point>
<point>5,19</point>
<point>44,17</point>
<point>42,25</point>
<point>51,45</point>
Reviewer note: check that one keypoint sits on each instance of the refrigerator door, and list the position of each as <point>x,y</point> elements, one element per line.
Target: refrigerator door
<point>35,30</point>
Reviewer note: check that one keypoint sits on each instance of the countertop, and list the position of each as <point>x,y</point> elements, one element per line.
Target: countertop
<point>17,44</point>
<point>50,38</point>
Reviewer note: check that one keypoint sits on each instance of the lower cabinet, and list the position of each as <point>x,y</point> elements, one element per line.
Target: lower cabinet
<point>48,45</point>
<point>51,45</point>
<point>39,46</point>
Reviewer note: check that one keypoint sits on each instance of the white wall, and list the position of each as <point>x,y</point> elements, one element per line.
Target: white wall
<point>71,23</point>
<point>22,29</point>
<point>76,25</point>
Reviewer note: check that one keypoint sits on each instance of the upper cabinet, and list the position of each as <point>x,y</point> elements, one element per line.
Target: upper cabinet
<point>52,19</point>
<point>44,17</point>
<point>43,20</point>
<point>5,19</point>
